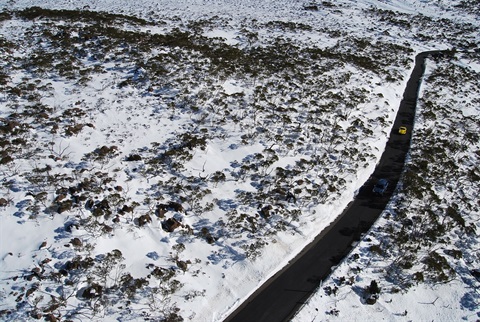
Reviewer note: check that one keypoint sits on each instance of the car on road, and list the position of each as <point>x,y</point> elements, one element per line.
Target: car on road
<point>380,187</point>
<point>402,130</point>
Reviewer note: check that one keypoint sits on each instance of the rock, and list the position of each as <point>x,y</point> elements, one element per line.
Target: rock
<point>182,265</point>
<point>161,211</point>
<point>170,224</point>
<point>143,220</point>
<point>42,245</point>
<point>64,206</point>
<point>107,229</point>
<point>126,208</point>
<point>76,242</point>
<point>3,202</point>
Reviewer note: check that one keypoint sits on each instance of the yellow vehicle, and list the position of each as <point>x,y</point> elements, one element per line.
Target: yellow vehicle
<point>402,130</point>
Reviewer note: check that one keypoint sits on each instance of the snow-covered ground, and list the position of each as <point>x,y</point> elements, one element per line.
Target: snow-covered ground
<point>450,293</point>
<point>104,132</point>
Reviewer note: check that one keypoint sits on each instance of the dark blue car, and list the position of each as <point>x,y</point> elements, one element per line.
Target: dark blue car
<point>380,187</point>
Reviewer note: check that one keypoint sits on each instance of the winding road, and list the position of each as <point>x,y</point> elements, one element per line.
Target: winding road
<point>285,293</point>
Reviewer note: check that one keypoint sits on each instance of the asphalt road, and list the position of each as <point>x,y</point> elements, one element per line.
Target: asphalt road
<point>281,296</point>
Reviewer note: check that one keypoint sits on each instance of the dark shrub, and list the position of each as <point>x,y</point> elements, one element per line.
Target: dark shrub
<point>93,291</point>
<point>134,157</point>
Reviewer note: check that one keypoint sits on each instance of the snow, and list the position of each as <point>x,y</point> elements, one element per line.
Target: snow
<point>219,276</point>
<point>228,36</point>
<point>453,301</point>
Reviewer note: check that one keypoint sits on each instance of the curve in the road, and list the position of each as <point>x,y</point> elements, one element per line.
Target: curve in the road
<point>283,294</point>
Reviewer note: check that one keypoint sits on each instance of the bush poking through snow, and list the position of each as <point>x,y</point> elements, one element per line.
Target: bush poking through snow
<point>372,293</point>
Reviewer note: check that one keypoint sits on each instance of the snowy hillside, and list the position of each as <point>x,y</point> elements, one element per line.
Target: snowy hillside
<point>423,253</point>
<point>422,256</point>
<point>160,160</point>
